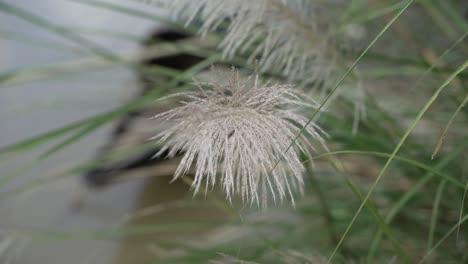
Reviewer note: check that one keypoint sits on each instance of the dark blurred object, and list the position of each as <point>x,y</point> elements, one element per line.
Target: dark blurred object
<point>133,128</point>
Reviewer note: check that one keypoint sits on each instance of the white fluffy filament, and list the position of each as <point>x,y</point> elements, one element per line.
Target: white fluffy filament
<point>235,133</point>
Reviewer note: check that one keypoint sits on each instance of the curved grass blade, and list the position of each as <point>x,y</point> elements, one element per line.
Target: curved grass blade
<point>134,105</point>
<point>447,127</point>
<point>435,11</point>
<point>455,227</point>
<point>383,226</point>
<point>43,138</point>
<point>399,158</point>
<point>433,67</point>
<point>80,134</point>
<point>367,15</point>
<point>412,193</point>
<point>454,14</point>
<point>340,81</point>
<point>59,70</point>
<point>397,148</point>
<point>404,200</point>
<point>90,124</point>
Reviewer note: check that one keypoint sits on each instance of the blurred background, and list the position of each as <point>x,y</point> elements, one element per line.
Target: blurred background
<point>57,69</point>
<point>39,103</point>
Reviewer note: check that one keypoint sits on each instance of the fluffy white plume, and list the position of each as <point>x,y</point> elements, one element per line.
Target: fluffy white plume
<point>284,35</point>
<point>235,134</point>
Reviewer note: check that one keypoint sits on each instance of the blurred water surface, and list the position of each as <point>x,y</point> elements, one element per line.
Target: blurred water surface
<point>31,107</point>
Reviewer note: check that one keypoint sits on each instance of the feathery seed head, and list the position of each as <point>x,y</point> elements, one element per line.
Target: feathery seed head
<point>284,35</point>
<point>236,132</point>
<point>291,37</point>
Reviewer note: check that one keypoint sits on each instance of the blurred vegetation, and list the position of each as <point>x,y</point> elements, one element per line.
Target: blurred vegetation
<point>392,192</point>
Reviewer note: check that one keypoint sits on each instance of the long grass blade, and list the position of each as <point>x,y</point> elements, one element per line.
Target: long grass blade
<point>412,162</point>
<point>384,227</point>
<point>447,127</point>
<point>397,148</point>
<point>398,206</point>
<point>340,81</point>
<point>435,214</point>
<point>462,207</point>
<point>437,245</point>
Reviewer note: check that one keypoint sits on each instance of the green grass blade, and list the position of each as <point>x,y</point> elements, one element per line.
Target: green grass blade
<point>7,178</point>
<point>435,214</point>
<point>462,207</point>
<point>42,139</point>
<point>397,148</point>
<point>453,229</point>
<point>384,227</point>
<point>100,120</point>
<point>398,206</point>
<point>434,65</point>
<point>60,70</point>
<point>367,15</point>
<point>340,81</point>
<point>414,163</point>
<point>447,127</point>
<point>73,139</point>
<point>136,13</point>
<point>454,14</point>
